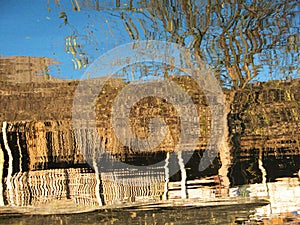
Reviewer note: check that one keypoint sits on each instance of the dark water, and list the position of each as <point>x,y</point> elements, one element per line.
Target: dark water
<point>68,196</point>
<point>211,215</point>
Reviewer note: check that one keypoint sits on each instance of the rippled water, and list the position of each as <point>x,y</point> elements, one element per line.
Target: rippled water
<point>47,179</point>
<point>63,196</point>
<point>54,170</point>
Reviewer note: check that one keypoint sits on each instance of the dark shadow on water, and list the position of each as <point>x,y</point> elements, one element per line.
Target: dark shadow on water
<point>169,215</point>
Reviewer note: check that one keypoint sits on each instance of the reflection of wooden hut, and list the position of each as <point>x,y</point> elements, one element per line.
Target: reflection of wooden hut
<point>37,144</point>
<point>264,116</point>
<point>79,185</point>
<point>120,186</point>
<point>146,109</point>
<point>21,69</point>
<point>268,117</point>
<point>43,144</point>
<point>37,187</point>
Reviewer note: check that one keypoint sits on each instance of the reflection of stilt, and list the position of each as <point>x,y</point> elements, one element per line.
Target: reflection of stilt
<point>98,183</point>
<point>16,180</point>
<point>264,177</point>
<point>10,163</point>
<point>1,176</point>
<point>20,152</point>
<point>167,174</point>
<point>261,167</point>
<point>183,175</point>
<point>226,163</point>
<point>218,183</point>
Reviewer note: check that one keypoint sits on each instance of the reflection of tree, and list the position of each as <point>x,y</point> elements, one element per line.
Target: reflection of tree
<point>232,37</point>
<point>239,39</point>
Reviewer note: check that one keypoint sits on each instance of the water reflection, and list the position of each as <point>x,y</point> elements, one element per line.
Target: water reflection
<point>216,215</point>
<point>77,187</point>
<point>43,166</point>
<point>252,203</point>
<point>43,169</point>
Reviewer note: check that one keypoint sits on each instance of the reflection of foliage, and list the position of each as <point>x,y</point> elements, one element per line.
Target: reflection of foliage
<point>229,36</point>
<point>63,15</point>
<point>262,108</point>
<point>79,58</point>
<point>243,191</point>
<point>238,38</point>
<point>46,70</point>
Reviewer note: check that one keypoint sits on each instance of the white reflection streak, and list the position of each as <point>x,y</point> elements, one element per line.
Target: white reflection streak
<point>165,195</point>
<point>261,167</point>
<point>183,175</point>
<point>10,163</point>
<point>20,151</point>
<point>1,176</point>
<point>98,183</point>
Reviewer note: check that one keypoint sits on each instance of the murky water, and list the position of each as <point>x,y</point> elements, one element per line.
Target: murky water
<point>69,195</point>
<point>58,167</point>
<point>47,179</point>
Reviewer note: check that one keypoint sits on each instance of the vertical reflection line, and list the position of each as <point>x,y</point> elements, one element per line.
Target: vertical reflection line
<point>98,188</point>
<point>183,175</point>
<point>261,167</point>
<point>264,176</point>
<point>21,200</point>
<point>20,151</point>
<point>10,162</point>
<point>18,179</point>
<point>67,183</point>
<point>1,176</point>
<point>18,187</point>
<point>167,174</point>
<point>98,183</point>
